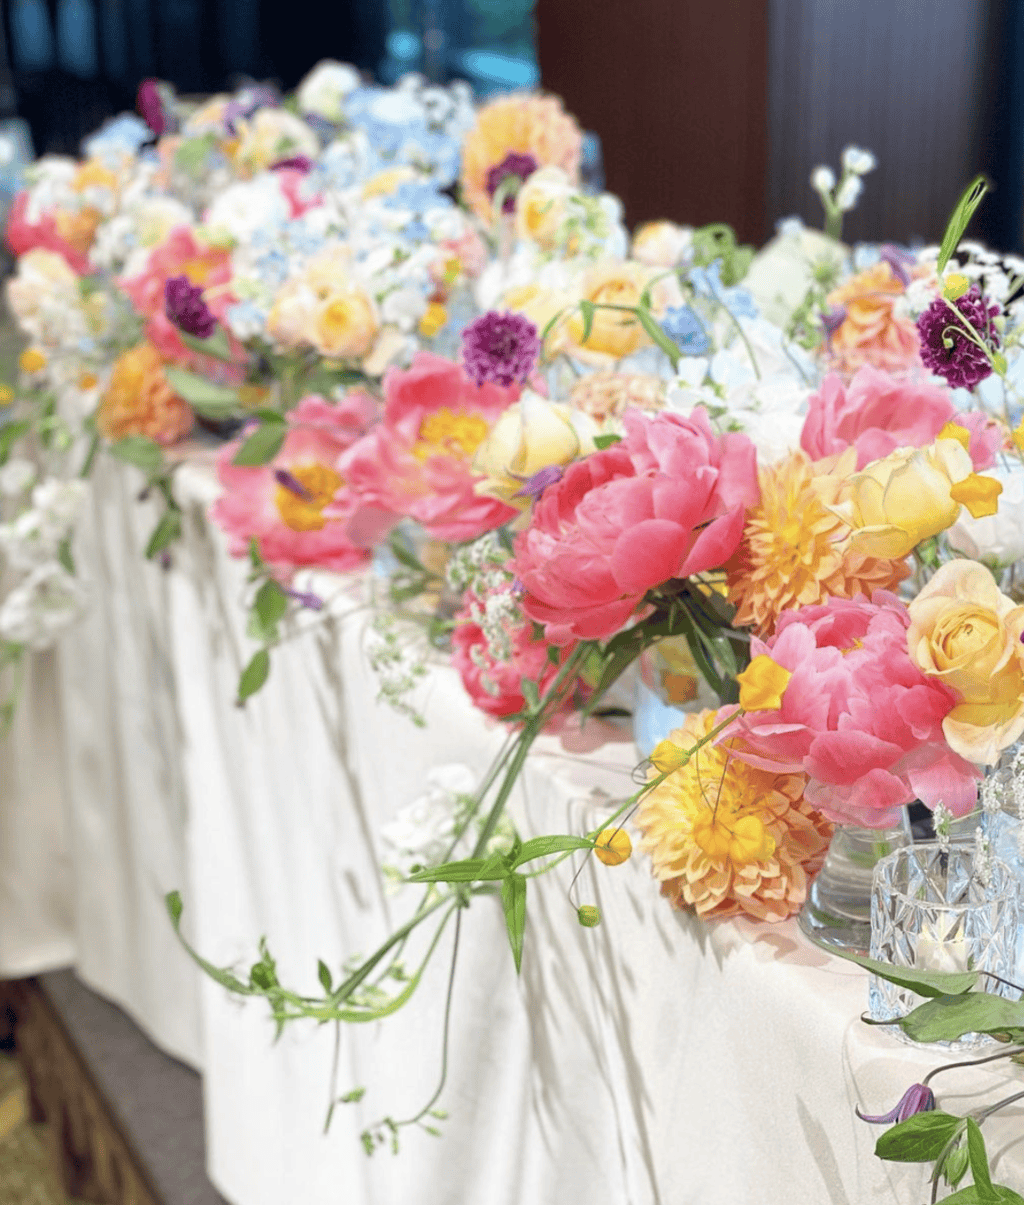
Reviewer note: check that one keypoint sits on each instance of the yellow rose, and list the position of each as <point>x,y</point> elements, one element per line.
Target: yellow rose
<point>530,435</point>
<point>894,503</point>
<point>966,632</point>
<point>614,333</point>
<point>540,206</point>
<point>345,325</point>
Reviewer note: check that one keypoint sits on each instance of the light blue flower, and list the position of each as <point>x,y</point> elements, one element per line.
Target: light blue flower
<point>707,282</point>
<point>686,331</point>
<point>124,134</point>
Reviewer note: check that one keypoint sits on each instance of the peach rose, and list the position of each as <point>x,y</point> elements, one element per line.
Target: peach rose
<point>967,633</point>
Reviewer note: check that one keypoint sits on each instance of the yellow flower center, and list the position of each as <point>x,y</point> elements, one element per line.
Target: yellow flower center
<point>450,433</point>
<point>434,318</point>
<point>198,270</point>
<point>32,360</point>
<point>304,511</point>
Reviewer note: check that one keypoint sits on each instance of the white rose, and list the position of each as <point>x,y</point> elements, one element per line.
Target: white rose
<point>996,540</point>
<point>16,476</point>
<point>323,91</point>
<point>250,206</point>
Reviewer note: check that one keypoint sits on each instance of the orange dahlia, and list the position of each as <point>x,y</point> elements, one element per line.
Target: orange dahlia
<point>519,129</point>
<point>869,332</point>
<point>139,401</point>
<point>795,551</point>
<point>726,839</point>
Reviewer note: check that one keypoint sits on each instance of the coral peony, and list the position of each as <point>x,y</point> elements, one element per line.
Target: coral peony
<point>869,332</point>
<point>796,550</point>
<point>858,716</point>
<point>665,502</point>
<point>182,254</point>
<point>728,839</point>
<point>298,507</point>
<point>878,413</point>
<point>23,236</point>
<point>138,400</point>
<point>534,126</point>
<point>418,461</point>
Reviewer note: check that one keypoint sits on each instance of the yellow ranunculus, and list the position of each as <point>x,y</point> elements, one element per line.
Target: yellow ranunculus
<point>966,632</point>
<point>612,846</point>
<point>894,503</point>
<point>345,325</point>
<point>762,684</point>
<point>669,756</point>
<point>530,435</point>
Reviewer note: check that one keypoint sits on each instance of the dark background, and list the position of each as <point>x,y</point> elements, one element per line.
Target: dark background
<point>706,111</point>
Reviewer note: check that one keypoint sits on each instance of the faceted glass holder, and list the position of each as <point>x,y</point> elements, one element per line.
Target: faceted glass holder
<point>931,909</point>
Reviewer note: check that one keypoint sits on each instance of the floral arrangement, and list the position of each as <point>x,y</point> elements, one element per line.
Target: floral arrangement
<point>415,338</point>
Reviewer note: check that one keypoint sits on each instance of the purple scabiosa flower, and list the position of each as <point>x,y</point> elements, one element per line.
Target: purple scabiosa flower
<point>539,482</point>
<point>951,355</point>
<point>185,307</point>
<point>502,348</point>
<point>150,106</point>
<point>918,1098</point>
<point>520,165</point>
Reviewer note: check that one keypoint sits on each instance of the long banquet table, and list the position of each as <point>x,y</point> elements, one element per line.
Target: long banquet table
<point>651,1060</point>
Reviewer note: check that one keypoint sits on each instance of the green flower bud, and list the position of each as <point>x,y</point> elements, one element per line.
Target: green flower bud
<point>589,916</point>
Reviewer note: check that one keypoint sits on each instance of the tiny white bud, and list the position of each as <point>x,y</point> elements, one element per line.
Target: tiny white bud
<point>849,192</point>
<point>823,179</point>
<point>858,161</point>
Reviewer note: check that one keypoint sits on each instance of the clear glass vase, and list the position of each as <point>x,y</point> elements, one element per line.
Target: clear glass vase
<point>837,911</point>
<point>669,686</point>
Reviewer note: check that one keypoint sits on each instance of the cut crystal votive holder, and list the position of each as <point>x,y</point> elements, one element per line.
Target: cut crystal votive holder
<point>932,909</point>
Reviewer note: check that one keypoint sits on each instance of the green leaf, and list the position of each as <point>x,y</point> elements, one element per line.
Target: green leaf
<point>139,450</point>
<point>955,1167</point>
<point>539,847</point>
<point>606,441</point>
<point>254,675</point>
<point>262,445</point>
<point>513,900</point>
<point>352,1097</point>
<point>950,1017</point>
<point>973,1195</point>
<point>658,336</point>
<point>212,401</point>
<point>65,555</point>
<point>919,1139</point>
<point>174,906</point>
<point>468,870</point>
<point>217,345</point>
<point>969,201</point>
<point>10,434</point>
<point>587,310</point>
<point>323,972</point>
<point>167,530</point>
<point>218,974</point>
<point>255,558</point>
<point>530,693</point>
<point>269,607</point>
<point>978,1157</point>
<point>925,983</point>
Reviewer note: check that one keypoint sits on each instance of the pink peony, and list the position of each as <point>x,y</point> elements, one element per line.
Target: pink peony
<point>494,680</point>
<point>418,461</point>
<point>23,236</point>
<point>668,501</point>
<point>857,716</point>
<point>877,412</point>
<point>182,254</point>
<point>298,507</point>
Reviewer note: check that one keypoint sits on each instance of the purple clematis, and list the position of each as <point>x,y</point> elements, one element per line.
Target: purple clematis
<point>918,1098</point>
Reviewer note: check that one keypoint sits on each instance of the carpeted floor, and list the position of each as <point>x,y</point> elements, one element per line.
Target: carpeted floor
<point>26,1174</point>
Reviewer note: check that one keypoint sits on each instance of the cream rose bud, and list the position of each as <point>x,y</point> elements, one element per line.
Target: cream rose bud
<point>997,540</point>
<point>323,91</point>
<point>540,206</point>
<point>894,503</point>
<point>532,434</point>
<point>967,633</point>
<point>345,325</point>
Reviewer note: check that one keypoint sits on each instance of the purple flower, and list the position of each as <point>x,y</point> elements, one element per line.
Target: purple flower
<point>312,602</point>
<point>301,163</point>
<point>500,347</point>
<point>950,354</point>
<point>150,106</point>
<point>519,166</point>
<point>899,261</point>
<point>918,1098</point>
<point>833,319</point>
<point>539,482</point>
<point>185,307</point>
<point>258,96</point>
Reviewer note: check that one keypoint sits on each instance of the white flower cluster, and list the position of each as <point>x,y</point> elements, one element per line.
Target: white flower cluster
<point>398,664</point>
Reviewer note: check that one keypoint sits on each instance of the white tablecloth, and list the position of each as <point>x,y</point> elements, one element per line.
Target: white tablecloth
<point>650,1060</point>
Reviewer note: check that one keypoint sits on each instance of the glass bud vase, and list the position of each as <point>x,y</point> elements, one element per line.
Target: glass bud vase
<point>837,911</point>
<point>669,686</point>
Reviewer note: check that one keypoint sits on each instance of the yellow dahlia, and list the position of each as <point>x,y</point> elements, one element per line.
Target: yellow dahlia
<point>796,551</point>
<point>726,839</point>
<point>536,128</point>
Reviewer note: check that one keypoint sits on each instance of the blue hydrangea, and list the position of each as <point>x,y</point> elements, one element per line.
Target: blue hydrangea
<point>121,135</point>
<point>686,331</point>
<point>707,282</point>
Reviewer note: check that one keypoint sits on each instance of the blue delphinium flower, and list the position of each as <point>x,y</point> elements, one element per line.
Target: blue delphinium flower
<point>707,282</point>
<point>686,331</point>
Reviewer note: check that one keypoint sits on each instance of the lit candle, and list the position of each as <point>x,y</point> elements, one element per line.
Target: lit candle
<point>937,951</point>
